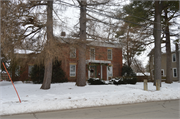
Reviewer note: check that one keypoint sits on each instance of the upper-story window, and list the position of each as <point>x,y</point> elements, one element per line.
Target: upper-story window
<point>72,52</point>
<point>109,54</point>
<point>173,57</point>
<point>92,54</point>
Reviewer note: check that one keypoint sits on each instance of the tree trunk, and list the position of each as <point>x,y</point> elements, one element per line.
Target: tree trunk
<point>157,37</point>
<point>81,72</point>
<point>48,59</point>
<point>177,62</point>
<point>128,50</point>
<point>13,65</point>
<point>168,51</point>
<point>13,70</point>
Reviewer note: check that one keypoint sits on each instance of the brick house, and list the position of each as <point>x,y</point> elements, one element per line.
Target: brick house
<point>103,60</point>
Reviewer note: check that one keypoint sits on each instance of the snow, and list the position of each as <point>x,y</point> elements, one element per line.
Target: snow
<point>142,74</point>
<point>69,96</point>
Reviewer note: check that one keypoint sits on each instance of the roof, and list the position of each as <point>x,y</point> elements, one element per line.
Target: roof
<point>92,42</point>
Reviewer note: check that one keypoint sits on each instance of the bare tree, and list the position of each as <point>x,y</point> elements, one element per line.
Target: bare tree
<point>29,28</point>
<point>137,66</point>
<point>48,58</point>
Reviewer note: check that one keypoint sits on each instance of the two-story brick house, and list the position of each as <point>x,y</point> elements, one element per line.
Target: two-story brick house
<point>103,60</point>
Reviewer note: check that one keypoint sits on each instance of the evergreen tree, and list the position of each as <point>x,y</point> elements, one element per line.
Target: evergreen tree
<point>58,75</point>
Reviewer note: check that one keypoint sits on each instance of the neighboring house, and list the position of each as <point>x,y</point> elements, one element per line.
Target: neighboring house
<point>163,65</point>
<point>103,60</point>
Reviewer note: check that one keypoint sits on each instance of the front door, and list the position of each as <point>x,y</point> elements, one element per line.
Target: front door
<point>93,71</point>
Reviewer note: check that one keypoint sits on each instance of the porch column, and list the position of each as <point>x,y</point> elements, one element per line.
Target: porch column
<point>88,72</point>
<point>101,71</point>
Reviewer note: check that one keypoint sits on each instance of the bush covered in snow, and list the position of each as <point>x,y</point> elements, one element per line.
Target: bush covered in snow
<point>96,81</point>
<point>123,80</point>
<point>115,81</point>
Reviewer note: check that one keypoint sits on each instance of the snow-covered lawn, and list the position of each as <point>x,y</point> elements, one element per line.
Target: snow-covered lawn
<point>68,96</point>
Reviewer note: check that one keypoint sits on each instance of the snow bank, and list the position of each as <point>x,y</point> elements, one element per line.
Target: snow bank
<point>68,96</point>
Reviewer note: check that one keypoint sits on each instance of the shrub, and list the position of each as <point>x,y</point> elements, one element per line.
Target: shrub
<point>58,75</point>
<point>124,80</point>
<point>37,74</point>
<point>127,71</point>
<point>130,79</point>
<point>96,81</point>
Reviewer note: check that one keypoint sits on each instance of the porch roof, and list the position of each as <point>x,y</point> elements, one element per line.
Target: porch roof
<point>98,61</point>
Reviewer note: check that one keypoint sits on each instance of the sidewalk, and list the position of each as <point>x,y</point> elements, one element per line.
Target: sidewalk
<point>149,110</point>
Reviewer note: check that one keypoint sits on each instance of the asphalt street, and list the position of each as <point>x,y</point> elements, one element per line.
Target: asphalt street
<point>150,110</point>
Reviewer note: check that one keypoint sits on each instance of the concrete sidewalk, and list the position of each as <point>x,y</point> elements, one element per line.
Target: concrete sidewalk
<point>150,110</point>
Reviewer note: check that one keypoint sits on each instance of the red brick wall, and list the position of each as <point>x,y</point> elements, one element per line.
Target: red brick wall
<point>100,54</point>
<point>4,76</point>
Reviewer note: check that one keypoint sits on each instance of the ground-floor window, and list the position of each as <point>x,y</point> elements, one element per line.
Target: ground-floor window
<point>29,70</point>
<point>162,72</point>
<point>17,71</point>
<point>174,72</point>
<point>72,70</point>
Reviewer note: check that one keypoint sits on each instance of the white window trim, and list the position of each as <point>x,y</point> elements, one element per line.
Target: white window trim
<point>111,54</point>
<point>108,71</point>
<point>176,73</point>
<point>175,57</point>
<point>70,70</point>
<point>71,53</point>
<point>94,54</point>
<point>163,72</point>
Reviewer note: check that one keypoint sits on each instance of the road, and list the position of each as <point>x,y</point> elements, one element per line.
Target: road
<point>150,110</point>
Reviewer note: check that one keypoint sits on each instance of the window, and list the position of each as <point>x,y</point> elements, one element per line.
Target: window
<point>72,52</point>
<point>174,72</point>
<point>110,71</point>
<point>92,54</point>
<point>173,57</point>
<point>72,70</point>
<point>17,71</point>
<point>162,72</point>
<point>109,54</point>
<point>29,69</point>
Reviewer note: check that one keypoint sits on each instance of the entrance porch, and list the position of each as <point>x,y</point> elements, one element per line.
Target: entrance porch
<point>99,69</point>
